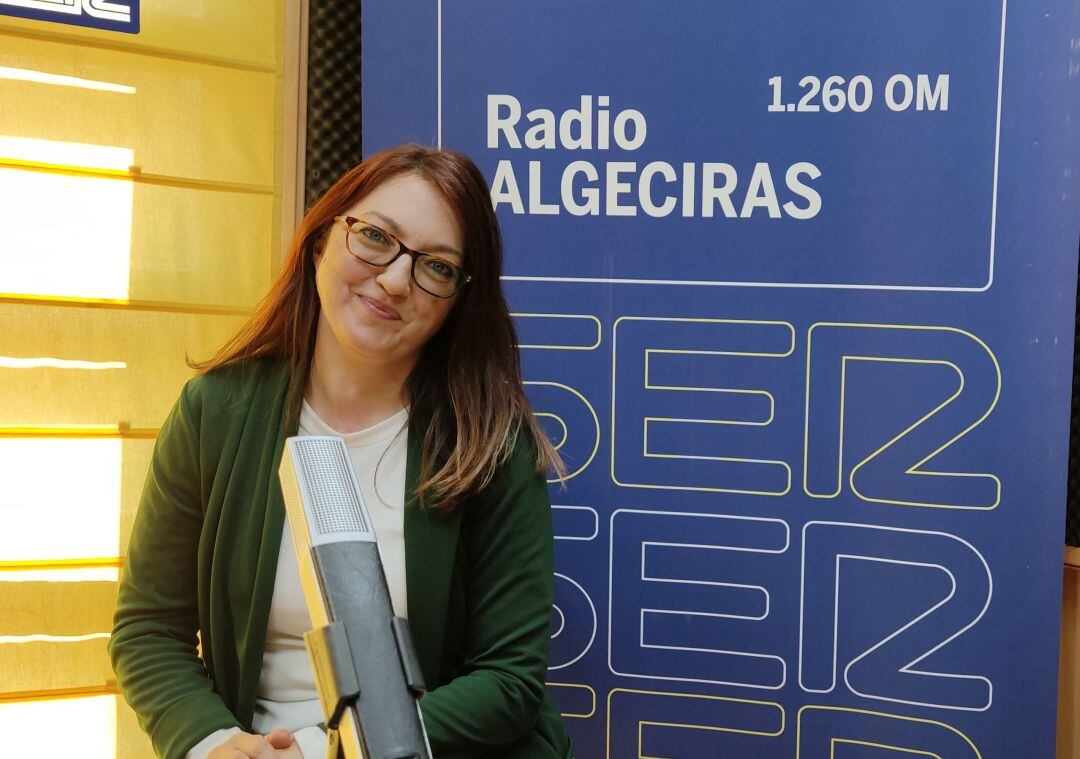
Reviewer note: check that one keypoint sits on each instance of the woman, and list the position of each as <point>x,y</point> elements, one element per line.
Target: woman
<point>362,335</point>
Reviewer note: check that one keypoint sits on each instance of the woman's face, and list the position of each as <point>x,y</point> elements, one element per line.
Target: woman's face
<point>380,314</point>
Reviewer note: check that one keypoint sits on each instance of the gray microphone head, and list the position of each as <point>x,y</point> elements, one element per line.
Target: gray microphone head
<point>322,496</point>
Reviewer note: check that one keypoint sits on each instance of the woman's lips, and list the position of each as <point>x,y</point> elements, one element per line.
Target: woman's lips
<point>382,310</point>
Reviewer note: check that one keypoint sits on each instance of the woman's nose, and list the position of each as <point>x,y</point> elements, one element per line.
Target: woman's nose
<point>396,279</point>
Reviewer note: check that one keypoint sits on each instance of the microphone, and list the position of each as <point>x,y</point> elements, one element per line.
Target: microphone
<point>366,669</point>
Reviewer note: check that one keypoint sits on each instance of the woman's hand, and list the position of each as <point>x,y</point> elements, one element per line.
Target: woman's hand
<point>277,744</point>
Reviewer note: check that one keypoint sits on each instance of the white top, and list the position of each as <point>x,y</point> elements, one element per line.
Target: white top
<point>287,695</point>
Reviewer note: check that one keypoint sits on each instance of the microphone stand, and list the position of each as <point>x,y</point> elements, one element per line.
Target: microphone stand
<point>335,677</point>
<point>337,684</point>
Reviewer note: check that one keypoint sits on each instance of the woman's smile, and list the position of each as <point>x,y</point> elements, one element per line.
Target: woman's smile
<point>380,309</point>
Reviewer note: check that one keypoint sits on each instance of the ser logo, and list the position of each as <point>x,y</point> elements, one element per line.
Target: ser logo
<point>101,14</point>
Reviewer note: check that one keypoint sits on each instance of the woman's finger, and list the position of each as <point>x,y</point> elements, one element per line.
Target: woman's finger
<point>253,746</point>
<point>279,738</point>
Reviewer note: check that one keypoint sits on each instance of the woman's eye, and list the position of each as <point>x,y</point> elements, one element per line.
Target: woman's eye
<point>439,268</point>
<point>375,236</point>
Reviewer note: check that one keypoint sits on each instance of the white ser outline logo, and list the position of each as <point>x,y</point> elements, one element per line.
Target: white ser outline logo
<point>103,9</point>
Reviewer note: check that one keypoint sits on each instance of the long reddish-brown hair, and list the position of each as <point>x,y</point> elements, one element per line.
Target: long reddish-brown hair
<point>466,387</point>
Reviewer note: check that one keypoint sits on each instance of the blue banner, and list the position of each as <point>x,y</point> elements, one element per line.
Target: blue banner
<point>795,289</point>
<point>109,15</point>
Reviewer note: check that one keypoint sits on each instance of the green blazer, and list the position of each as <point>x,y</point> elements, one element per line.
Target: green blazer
<point>203,556</point>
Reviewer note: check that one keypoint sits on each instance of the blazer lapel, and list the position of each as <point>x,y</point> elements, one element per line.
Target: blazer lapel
<point>430,546</point>
<point>277,418</point>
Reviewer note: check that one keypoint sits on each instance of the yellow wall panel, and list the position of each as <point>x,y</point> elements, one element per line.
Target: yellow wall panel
<point>64,235</point>
<point>55,666</point>
<point>189,120</point>
<point>191,246</point>
<point>136,461</point>
<point>93,237</point>
<point>55,608</point>
<point>142,352</point>
<point>45,516</point>
<point>82,727</point>
<point>141,168</point>
<point>131,741</point>
<point>241,30</point>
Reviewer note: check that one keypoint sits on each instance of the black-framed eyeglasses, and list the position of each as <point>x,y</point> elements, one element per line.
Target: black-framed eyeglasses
<point>377,247</point>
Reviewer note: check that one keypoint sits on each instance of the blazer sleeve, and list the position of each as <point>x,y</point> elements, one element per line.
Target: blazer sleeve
<point>508,545</point>
<point>153,645</point>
